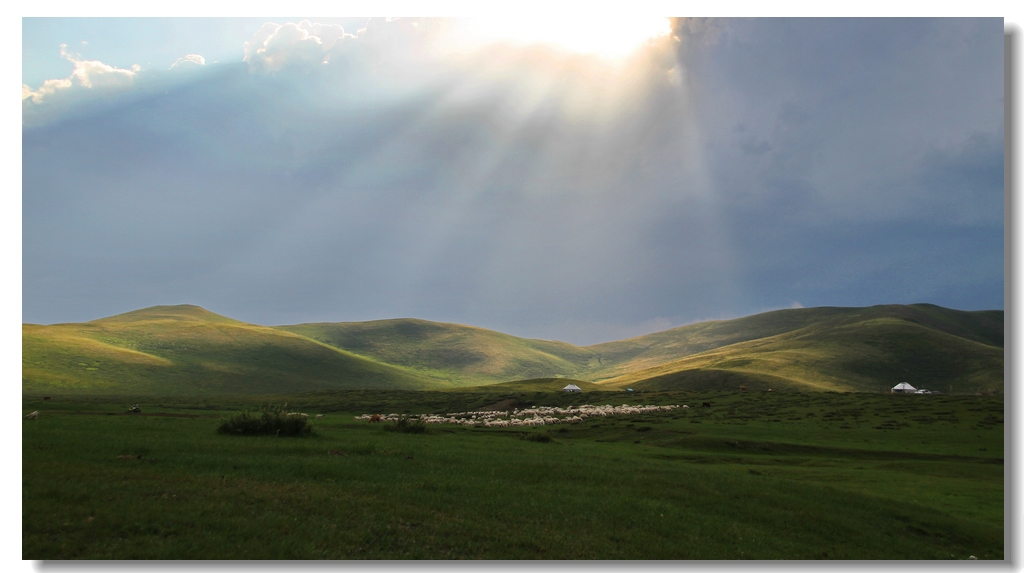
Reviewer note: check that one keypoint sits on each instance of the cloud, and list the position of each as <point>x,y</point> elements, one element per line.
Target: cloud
<point>48,88</point>
<point>534,194</point>
<point>275,47</point>
<point>962,180</point>
<point>700,31</point>
<point>88,75</point>
<point>189,61</point>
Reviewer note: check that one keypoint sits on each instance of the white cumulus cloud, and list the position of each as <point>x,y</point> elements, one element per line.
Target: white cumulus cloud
<point>276,46</point>
<point>87,75</point>
<point>189,61</point>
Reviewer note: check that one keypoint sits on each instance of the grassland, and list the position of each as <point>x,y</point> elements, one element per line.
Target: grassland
<point>842,349</point>
<point>188,350</point>
<point>466,355</point>
<point>758,475</point>
<point>840,355</point>
<point>631,355</point>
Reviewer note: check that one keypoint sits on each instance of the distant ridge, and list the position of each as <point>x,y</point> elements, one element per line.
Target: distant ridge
<point>170,312</point>
<point>463,353</point>
<point>862,351</point>
<point>186,349</point>
<point>637,354</point>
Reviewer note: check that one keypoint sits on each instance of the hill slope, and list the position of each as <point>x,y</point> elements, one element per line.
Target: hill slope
<point>187,349</point>
<point>868,349</point>
<point>635,354</point>
<point>464,354</point>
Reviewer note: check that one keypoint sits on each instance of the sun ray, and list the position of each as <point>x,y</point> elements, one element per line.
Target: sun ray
<point>607,36</point>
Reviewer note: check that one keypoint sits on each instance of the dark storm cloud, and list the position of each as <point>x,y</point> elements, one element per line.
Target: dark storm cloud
<point>842,148</point>
<point>846,162</point>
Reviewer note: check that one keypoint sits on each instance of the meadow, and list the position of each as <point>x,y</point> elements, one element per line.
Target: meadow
<point>758,475</point>
<point>189,351</point>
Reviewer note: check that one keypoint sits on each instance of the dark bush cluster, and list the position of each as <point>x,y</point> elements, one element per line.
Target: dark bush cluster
<point>543,438</point>
<point>408,426</point>
<point>269,421</point>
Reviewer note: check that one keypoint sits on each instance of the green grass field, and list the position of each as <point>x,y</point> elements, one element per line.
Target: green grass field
<point>758,475</point>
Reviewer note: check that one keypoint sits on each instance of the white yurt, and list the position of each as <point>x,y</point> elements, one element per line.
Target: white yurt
<point>903,388</point>
<point>571,388</point>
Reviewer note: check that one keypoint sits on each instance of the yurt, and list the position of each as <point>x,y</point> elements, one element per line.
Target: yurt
<point>571,388</point>
<point>903,388</point>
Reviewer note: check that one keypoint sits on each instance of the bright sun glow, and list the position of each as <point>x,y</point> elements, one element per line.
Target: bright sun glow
<point>602,35</point>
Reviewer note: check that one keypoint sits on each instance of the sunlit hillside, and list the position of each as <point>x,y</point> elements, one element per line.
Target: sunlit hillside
<point>848,349</point>
<point>189,350</point>
<point>466,354</point>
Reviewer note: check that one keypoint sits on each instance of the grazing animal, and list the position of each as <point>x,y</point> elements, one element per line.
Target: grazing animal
<point>375,418</point>
<point>706,405</point>
<point>319,415</point>
<point>686,407</point>
<point>743,387</point>
<point>46,397</point>
<point>33,415</point>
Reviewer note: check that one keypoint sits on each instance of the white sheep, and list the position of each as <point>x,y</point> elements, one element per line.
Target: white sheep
<point>33,415</point>
<point>535,416</point>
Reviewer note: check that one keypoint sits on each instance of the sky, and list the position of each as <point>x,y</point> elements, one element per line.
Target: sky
<point>585,180</point>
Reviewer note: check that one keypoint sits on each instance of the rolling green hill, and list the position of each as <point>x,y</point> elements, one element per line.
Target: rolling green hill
<point>635,354</point>
<point>463,354</point>
<point>189,350</point>
<point>868,349</point>
<point>186,350</point>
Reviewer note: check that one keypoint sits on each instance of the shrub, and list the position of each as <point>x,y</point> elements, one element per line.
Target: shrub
<point>408,426</point>
<point>543,438</point>
<point>269,421</point>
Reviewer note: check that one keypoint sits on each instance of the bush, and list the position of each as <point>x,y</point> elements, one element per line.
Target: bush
<point>269,421</point>
<point>408,426</point>
<point>543,438</point>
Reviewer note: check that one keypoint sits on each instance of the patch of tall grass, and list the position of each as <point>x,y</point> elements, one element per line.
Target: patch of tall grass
<point>270,420</point>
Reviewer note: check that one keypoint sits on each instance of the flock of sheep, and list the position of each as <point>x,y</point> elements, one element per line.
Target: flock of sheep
<point>302,414</point>
<point>537,416</point>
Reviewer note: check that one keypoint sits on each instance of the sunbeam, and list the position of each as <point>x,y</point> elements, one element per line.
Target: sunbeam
<point>607,36</point>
